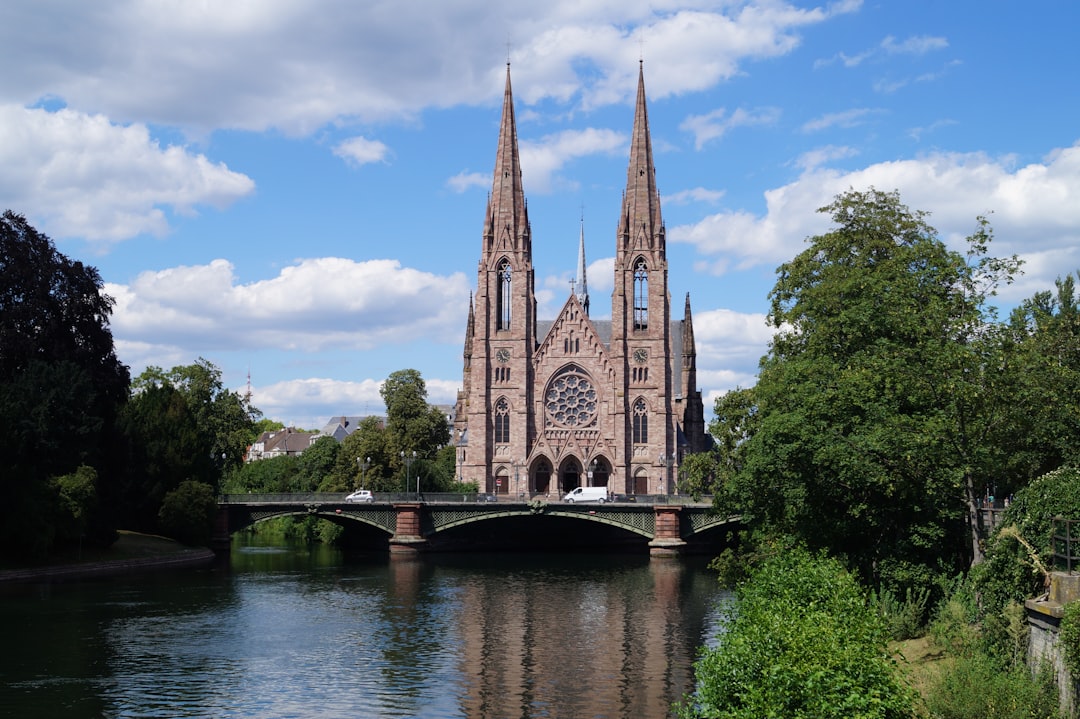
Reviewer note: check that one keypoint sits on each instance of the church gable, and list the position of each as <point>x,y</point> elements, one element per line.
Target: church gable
<point>572,337</point>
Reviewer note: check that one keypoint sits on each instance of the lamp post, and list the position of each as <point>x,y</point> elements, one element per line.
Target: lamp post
<point>517,478</point>
<point>592,469</point>
<point>666,461</point>
<point>364,464</point>
<point>408,464</point>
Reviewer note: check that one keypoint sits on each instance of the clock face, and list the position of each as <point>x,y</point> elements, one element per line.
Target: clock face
<point>640,355</point>
<point>503,356</point>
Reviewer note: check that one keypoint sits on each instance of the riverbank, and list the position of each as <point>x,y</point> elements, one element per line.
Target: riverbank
<point>131,553</point>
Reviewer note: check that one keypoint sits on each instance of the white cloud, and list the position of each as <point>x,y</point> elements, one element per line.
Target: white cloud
<point>715,124</point>
<point>297,65</point>
<point>311,306</point>
<point>541,160</point>
<point>1034,209</point>
<point>846,119</point>
<point>696,194</point>
<point>823,155</point>
<point>915,45</point>
<point>464,181</point>
<point>80,175</point>
<point>361,151</point>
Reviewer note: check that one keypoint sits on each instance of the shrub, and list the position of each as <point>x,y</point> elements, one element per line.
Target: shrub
<point>801,642</point>
<point>187,513</point>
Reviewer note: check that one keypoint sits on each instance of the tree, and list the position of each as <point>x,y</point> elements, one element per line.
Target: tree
<point>1046,396</point>
<point>165,448</point>
<point>413,425</point>
<point>368,444</point>
<point>187,513</point>
<point>226,420</point>
<point>877,396</point>
<point>800,642</point>
<point>61,384</point>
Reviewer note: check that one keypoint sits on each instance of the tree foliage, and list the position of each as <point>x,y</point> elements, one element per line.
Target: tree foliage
<point>799,641</point>
<point>867,433</point>
<point>187,513</point>
<point>412,425</point>
<point>61,384</point>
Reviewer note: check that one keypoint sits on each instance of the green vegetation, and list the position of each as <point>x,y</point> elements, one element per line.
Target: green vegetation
<point>800,642</point>
<point>892,404</point>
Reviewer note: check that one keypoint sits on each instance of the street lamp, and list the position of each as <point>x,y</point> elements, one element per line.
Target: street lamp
<point>364,464</point>
<point>408,464</point>
<point>666,461</point>
<point>592,468</point>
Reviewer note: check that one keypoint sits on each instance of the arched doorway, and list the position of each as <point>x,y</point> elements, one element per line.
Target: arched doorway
<point>640,482</point>
<point>570,475</point>
<point>542,475</point>
<point>598,473</point>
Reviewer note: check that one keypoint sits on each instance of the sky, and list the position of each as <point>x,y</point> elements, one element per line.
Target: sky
<point>294,190</point>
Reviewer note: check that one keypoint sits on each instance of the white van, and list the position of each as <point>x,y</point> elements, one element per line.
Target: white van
<point>587,494</point>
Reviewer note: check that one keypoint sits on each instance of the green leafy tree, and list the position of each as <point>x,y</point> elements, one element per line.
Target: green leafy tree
<point>187,513</point>
<point>226,419</point>
<point>412,425</point>
<point>800,641</point>
<point>165,449</point>
<point>78,502</point>
<point>276,475</point>
<point>877,396</point>
<point>61,384</point>
<point>368,444</point>
<point>1046,397</point>
<point>316,465</point>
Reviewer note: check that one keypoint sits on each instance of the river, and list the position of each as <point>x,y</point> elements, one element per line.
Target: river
<point>297,632</point>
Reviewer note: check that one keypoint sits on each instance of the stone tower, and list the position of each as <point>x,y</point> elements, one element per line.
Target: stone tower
<point>546,406</point>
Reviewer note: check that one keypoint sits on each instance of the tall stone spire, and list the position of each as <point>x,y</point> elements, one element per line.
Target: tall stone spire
<point>507,226</point>
<point>641,225</point>
<point>581,285</point>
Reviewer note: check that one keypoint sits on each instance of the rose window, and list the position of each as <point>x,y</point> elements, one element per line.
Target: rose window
<point>571,400</point>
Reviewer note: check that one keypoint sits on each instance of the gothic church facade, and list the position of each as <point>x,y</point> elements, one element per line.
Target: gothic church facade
<point>547,406</point>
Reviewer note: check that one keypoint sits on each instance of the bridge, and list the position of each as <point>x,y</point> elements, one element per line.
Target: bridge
<point>406,524</point>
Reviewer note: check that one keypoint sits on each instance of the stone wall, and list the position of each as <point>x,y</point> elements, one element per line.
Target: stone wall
<point>1044,622</point>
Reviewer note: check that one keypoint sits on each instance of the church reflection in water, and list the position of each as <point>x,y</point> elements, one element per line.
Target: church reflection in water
<point>589,637</point>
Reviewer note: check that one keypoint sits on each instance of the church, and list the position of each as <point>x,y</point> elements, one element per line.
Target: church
<point>550,405</point>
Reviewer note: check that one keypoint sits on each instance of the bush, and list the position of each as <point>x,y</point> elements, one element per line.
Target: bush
<point>904,619</point>
<point>187,513</point>
<point>801,642</point>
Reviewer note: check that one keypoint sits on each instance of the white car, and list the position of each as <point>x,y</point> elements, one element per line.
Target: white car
<point>360,495</point>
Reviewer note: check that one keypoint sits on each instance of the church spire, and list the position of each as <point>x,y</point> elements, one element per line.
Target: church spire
<point>507,218</point>
<point>581,285</point>
<point>641,220</point>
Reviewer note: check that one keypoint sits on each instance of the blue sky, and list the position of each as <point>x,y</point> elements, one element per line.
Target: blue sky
<point>296,188</point>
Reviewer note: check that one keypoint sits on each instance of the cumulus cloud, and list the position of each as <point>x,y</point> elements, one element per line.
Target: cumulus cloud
<point>81,175</point>
<point>296,65</point>
<point>1034,209</point>
<point>311,306</point>
<point>361,151</point>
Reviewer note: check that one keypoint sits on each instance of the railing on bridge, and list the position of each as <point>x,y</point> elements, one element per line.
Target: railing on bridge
<point>448,497</point>
<point>1063,543</point>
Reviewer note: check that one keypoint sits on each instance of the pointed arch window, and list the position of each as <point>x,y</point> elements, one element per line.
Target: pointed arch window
<point>641,295</point>
<point>503,299</point>
<point>641,422</point>
<point>502,421</point>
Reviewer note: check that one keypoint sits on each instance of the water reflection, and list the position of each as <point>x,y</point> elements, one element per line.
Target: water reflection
<point>288,632</point>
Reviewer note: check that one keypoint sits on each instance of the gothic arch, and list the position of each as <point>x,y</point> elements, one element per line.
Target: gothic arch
<point>504,297</point>
<point>639,421</point>
<point>641,293</point>
<point>500,420</point>
<point>540,473</point>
